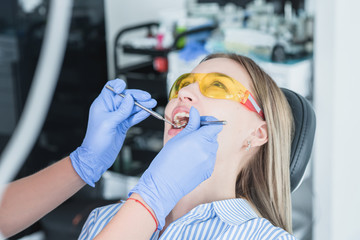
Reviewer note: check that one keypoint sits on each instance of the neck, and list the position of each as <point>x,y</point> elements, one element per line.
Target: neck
<point>218,187</point>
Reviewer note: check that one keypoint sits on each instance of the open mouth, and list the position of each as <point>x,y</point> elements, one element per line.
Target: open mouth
<point>181,119</point>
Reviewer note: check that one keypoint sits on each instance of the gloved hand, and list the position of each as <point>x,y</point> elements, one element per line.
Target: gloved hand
<point>109,119</point>
<point>185,161</point>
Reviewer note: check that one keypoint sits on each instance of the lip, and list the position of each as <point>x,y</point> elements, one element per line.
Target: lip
<point>179,109</point>
<point>174,131</point>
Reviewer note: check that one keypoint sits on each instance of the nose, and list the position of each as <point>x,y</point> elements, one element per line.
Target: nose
<point>189,93</point>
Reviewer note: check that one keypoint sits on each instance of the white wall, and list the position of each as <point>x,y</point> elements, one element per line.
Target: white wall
<point>310,6</point>
<point>337,84</point>
<point>122,13</point>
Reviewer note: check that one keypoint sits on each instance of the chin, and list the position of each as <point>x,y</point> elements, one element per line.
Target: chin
<point>166,136</point>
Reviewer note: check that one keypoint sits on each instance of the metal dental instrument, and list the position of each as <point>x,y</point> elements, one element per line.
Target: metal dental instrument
<point>153,113</point>
<point>158,116</point>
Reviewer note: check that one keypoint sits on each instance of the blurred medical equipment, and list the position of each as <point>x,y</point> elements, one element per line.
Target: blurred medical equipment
<point>41,92</point>
<point>158,116</point>
<point>271,30</point>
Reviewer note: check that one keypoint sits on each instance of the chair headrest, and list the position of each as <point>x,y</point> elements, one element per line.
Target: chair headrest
<point>301,146</point>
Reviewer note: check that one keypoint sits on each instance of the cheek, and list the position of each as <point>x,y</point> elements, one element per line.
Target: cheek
<point>230,140</point>
<point>234,132</point>
<point>168,110</point>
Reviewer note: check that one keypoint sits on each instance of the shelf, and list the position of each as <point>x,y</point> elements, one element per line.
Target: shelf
<point>146,51</point>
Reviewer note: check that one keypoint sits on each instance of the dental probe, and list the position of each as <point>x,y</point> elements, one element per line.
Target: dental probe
<point>153,113</point>
<point>158,116</point>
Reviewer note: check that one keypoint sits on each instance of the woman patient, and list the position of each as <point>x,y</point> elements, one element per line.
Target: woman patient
<point>247,195</point>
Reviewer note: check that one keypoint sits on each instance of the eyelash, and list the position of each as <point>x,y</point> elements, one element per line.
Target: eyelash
<point>219,84</point>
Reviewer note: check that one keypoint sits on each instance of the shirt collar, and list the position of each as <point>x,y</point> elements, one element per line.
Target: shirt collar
<point>234,211</point>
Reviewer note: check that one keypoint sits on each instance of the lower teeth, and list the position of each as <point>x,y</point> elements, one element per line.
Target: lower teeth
<point>181,123</point>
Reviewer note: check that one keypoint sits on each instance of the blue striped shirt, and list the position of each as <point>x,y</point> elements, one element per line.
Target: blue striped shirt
<point>226,219</point>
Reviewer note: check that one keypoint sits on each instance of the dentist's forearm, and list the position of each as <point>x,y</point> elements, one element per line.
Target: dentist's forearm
<point>28,199</point>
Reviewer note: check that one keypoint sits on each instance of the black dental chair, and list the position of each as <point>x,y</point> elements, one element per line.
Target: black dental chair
<point>301,147</point>
<point>305,123</point>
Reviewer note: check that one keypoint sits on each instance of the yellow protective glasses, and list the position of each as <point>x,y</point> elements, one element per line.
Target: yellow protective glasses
<point>217,85</point>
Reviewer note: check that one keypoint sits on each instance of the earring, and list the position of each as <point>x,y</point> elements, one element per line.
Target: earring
<point>249,146</point>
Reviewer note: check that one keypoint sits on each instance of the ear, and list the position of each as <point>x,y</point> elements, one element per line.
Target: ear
<point>260,135</point>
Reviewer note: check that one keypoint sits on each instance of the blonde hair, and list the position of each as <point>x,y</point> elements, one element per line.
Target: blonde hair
<point>265,180</point>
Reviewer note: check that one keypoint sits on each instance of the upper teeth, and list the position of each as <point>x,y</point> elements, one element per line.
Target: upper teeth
<point>180,115</point>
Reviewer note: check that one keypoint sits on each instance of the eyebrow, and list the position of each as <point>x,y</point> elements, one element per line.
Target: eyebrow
<point>183,76</point>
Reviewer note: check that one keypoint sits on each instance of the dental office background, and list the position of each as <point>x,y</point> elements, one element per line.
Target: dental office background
<point>309,46</point>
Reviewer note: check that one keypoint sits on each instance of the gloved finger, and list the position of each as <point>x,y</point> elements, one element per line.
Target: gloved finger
<point>104,102</point>
<point>148,104</point>
<point>117,99</point>
<point>110,99</point>
<point>138,95</point>
<point>194,120</point>
<point>211,162</point>
<point>117,84</point>
<point>113,102</point>
<point>214,131</point>
<point>125,109</point>
<point>210,132</point>
<point>193,124</point>
<point>208,118</point>
<point>136,118</point>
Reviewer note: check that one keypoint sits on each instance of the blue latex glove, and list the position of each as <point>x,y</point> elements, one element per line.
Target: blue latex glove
<point>109,119</point>
<point>185,161</point>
